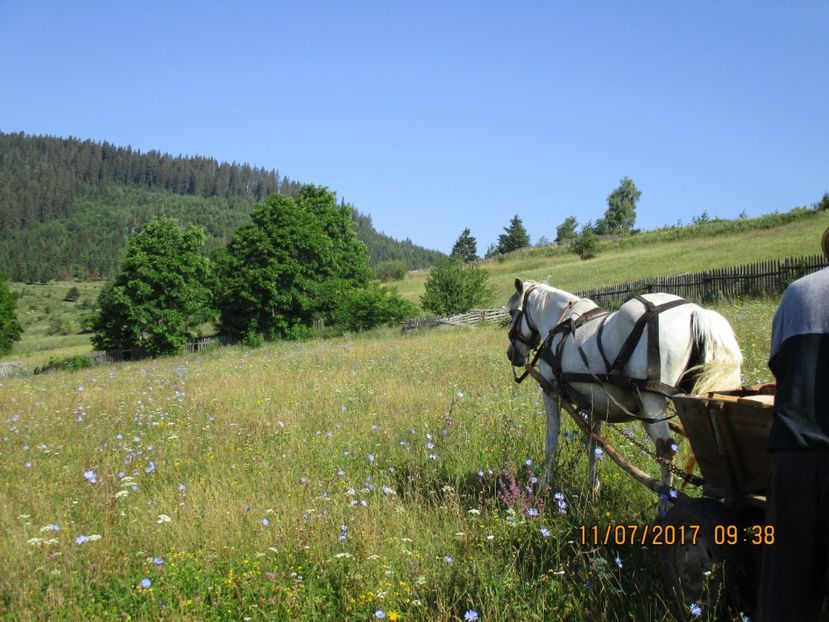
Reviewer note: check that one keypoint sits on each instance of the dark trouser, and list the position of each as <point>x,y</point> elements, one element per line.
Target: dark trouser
<point>794,566</point>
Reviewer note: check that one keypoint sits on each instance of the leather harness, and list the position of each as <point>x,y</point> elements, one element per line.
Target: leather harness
<point>552,354</point>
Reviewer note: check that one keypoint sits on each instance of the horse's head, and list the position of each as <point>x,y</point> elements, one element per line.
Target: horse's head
<point>523,334</point>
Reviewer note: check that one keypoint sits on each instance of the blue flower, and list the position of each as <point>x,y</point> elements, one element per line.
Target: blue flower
<point>150,467</point>
<point>471,616</point>
<point>145,583</point>
<point>81,539</point>
<point>598,453</point>
<point>371,459</point>
<point>90,476</point>
<point>545,532</point>
<point>695,609</point>
<point>618,561</point>
<point>379,614</point>
<point>158,561</point>
<point>532,512</point>
<point>448,559</point>
<point>266,522</point>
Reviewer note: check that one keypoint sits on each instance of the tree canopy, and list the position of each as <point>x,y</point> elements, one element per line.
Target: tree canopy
<point>465,248</point>
<point>454,287</point>
<point>567,229</point>
<point>10,329</point>
<point>290,265</point>
<point>160,296</point>
<point>621,209</point>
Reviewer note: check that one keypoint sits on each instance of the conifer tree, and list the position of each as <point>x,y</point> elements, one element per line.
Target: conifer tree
<point>10,329</point>
<point>465,248</point>
<point>515,236</point>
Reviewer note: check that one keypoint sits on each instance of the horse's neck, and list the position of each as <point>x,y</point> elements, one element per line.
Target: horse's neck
<point>550,305</point>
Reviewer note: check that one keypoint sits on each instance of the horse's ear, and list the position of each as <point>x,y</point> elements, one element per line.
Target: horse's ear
<point>519,286</point>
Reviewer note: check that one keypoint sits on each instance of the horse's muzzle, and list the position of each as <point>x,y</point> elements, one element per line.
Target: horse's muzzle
<point>516,358</point>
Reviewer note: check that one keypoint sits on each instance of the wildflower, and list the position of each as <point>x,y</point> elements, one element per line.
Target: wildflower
<point>181,487</point>
<point>674,447</point>
<point>27,465</point>
<point>90,476</point>
<point>618,561</point>
<point>598,453</point>
<point>145,583</point>
<point>433,457</point>
<point>430,445</point>
<point>50,527</point>
<point>532,512</point>
<point>158,561</point>
<point>266,522</point>
<point>371,459</point>
<point>428,436</point>
<point>470,616</point>
<point>81,539</point>
<point>533,480</point>
<point>163,518</point>
<point>480,473</point>
<point>672,493</point>
<point>340,473</point>
<point>528,462</point>
<point>379,614</point>
<point>695,609</point>
<point>545,532</point>
<point>150,467</point>
<point>449,559</point>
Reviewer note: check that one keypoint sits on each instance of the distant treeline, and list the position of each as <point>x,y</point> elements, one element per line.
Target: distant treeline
<point>68,206</point>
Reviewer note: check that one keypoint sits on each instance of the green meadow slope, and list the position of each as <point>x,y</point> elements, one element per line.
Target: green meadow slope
<point>653,253</point>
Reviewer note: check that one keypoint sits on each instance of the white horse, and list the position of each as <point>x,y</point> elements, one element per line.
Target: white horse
<point>695,351</point>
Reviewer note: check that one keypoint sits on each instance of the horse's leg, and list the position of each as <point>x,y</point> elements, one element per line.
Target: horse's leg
<point>592,446</point>
<point>553,425</point>
<point>654,406</point>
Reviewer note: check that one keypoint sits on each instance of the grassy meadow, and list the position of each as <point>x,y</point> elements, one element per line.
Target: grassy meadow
<point>374,476</point>
<point>341,479</point>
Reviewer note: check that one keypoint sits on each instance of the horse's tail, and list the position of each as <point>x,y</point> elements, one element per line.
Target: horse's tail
<point>718,357</point>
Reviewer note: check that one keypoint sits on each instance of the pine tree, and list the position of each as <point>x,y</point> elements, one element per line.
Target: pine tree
<point>10,329</point>
<point>514,237</point>
<point>621,209</point>
<point>465,248</point>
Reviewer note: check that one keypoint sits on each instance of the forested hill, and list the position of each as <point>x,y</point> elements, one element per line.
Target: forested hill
<point>68,206</point>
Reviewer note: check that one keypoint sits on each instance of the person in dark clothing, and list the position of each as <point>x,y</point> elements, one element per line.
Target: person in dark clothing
<point>795,565</point>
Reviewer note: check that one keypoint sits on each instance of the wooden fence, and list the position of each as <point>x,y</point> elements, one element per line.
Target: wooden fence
<point>470,318</point>
<point>766,278</point>
<point>100,357</point>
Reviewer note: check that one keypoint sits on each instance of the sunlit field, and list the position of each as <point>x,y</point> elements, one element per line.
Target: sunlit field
<point>384,475</point>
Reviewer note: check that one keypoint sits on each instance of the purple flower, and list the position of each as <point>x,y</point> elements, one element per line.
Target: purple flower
<point>448,559</point>
<point>158,561</point>
<point>145,583</point>
<point>379,614</point>
<point>90,476</point>
<point>266,522</point>
<point>150,467</point>
<point>545,532</point>
<point>471,616</point>
<point>598,453</point>
<point>371,459</point>
<point>695,609</point>
<point>532,512</point>
<point>81,539</point>
<point>618,561</point>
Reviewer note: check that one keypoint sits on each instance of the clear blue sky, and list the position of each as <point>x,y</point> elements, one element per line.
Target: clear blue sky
<point>435,116</point>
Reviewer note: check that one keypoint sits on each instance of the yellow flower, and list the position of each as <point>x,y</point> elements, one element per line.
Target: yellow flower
<point>393,616</point>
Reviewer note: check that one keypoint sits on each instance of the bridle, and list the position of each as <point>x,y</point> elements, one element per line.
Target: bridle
<point>534,342</point>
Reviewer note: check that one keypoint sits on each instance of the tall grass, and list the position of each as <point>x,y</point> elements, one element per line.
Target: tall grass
<point>303,481</point>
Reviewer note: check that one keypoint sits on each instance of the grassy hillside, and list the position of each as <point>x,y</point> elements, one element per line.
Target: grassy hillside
<point>651,254</point>
<point>322,480</point>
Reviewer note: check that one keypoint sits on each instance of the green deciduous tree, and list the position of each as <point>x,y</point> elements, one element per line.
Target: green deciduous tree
<point>586,244</point>
<point>515,236</point>
<point>160,296</point>
<point>391,270</point>
<point>10,329</point>
<point>290,265</point>
<point>465,248</point>
<point>621,209</point>
<point>454,287</point>
<point>372,306</point>
<point>567,229</point>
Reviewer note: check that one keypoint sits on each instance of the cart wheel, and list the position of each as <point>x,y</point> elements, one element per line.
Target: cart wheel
<point>701,571</point>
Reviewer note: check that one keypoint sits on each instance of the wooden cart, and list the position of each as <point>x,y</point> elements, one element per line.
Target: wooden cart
<point>728,432</point>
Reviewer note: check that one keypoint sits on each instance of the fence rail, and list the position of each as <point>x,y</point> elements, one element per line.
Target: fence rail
<point>99,357</point>
<point>470,318</point>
